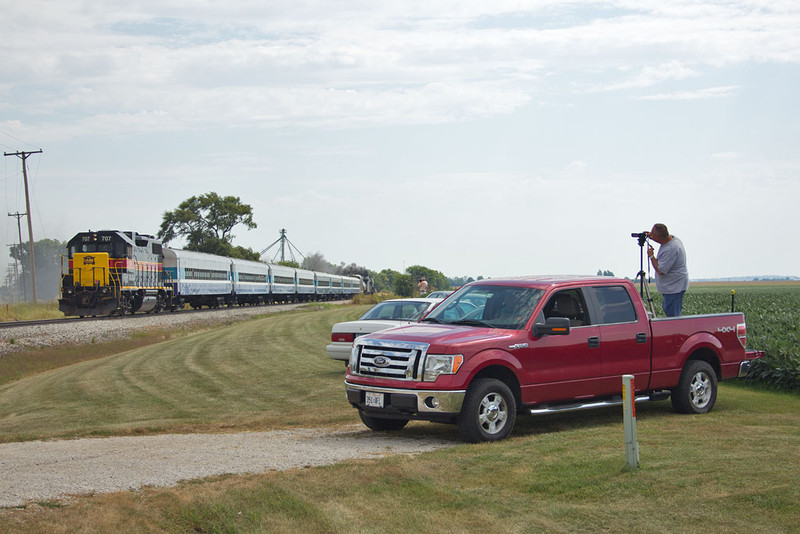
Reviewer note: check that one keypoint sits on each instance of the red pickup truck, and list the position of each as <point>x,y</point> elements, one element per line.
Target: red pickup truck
<point>497,348</point>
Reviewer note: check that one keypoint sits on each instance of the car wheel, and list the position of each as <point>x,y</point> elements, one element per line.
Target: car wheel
<point>489,411</point>
<point>381,423</point>
<point>696,391</point>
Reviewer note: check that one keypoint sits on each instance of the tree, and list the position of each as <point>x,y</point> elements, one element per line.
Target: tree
<point>404,285</point>
<point>206,222</point>
<point>243,253</point>
<point>459,281</point>
<point>601,272</point>
<point>384,280</point>
<point>47,253</point>
<point>436,280</point>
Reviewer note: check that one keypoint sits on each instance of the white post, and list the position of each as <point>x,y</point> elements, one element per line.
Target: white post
<point>629,416</point>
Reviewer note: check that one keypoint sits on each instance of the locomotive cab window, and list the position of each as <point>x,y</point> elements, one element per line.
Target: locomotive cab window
<point>92,247</point>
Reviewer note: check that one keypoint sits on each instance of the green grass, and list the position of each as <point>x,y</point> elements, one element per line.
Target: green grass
<point>271,372</point>
<point>30,312</point>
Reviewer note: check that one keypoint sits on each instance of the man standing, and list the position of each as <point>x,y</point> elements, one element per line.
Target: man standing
<point>422,286</point>
<point>672,276</point>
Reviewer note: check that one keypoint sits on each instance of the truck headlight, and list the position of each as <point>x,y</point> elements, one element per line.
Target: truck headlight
<point>441,364</point>
<point>353,358</point>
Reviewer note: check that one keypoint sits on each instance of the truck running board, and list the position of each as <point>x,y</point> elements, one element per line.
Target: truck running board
<point>615,401</point>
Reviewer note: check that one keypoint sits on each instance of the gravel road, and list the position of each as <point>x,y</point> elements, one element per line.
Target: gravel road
<point>35,471</point>
<point>52,470</point>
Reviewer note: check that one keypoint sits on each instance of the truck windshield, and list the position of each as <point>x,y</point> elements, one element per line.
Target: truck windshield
<point>491,306</point>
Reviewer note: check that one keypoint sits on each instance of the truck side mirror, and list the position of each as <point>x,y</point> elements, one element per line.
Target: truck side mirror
<point>553,326</point>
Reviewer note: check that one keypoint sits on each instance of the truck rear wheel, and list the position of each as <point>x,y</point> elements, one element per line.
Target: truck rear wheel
<point>489,411</point>
<point>696,391</point>
<point>381,423</point>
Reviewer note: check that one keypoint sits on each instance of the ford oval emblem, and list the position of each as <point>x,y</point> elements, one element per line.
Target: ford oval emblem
<point>381,361</point>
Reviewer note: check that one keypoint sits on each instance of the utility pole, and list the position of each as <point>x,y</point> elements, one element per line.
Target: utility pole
<point>23,156</point>
<point>20,279</point>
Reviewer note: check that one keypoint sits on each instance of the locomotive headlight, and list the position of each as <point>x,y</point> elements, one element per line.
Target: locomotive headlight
<point>441,364</point>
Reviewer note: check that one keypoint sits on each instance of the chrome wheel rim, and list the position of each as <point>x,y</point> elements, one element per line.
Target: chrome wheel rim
<point>493,413</point>
<point>700,390</point>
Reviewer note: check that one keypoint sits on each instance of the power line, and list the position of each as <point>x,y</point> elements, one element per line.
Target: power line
<point>18,139</point>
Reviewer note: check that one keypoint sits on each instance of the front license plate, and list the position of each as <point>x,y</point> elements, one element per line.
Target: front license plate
<point>374,400</point>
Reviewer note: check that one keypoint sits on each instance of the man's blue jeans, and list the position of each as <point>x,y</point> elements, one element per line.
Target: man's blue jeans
<point>673,304</point>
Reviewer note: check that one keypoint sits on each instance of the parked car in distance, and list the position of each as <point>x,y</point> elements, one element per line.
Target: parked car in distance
<point>438,294</point>
<point>386,314</point>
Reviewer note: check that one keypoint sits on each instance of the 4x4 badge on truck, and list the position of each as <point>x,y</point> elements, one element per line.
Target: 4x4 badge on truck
<point>381,361</point>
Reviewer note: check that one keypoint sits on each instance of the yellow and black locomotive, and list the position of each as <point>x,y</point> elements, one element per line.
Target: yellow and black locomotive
<point>112,272</point>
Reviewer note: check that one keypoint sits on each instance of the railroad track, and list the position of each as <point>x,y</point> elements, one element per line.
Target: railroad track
<point>65,320</point>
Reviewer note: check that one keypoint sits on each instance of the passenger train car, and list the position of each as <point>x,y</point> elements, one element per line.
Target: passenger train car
<point>115,273</point>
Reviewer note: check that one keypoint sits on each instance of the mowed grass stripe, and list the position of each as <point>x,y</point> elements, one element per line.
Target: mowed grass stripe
<point>271,372</point>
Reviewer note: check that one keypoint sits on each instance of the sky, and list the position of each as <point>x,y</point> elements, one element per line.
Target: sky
<point>501,138</point>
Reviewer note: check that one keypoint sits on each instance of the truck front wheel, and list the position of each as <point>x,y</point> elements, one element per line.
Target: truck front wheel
<point>381,423</point>
<point>489,411</point>
<point>696,391</point>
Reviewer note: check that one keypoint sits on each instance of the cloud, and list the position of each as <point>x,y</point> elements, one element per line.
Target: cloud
<point>157,65</point>
<point>699,94</point>
<point>651,75</point>
<point>726,156</point>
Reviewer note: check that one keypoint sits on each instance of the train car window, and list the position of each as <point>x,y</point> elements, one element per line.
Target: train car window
<point>206,274</point>
<point>248,277</point>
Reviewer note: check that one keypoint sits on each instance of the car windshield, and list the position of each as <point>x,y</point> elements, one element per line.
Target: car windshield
<point>396,311</point>
<point>491,306</point>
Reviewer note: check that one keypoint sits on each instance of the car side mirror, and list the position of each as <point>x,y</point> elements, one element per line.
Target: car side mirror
<point>553,326</point>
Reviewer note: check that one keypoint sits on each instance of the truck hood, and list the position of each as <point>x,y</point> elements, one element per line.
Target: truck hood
<point>441,336</point>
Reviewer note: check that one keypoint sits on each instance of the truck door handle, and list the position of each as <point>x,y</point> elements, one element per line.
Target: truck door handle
<point>641,337</point>
<point>594,341</point>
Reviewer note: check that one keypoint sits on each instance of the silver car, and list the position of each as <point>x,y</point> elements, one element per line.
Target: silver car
<point>386,314</point>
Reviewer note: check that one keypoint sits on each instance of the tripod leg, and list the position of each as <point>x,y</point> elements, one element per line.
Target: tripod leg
<point>649,298</point>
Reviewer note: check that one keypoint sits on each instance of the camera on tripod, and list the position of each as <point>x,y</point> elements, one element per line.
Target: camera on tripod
<point>644,288</point>
<point>641,236</point>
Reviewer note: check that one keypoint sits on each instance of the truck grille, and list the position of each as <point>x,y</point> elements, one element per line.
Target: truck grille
<point>389,359</point>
